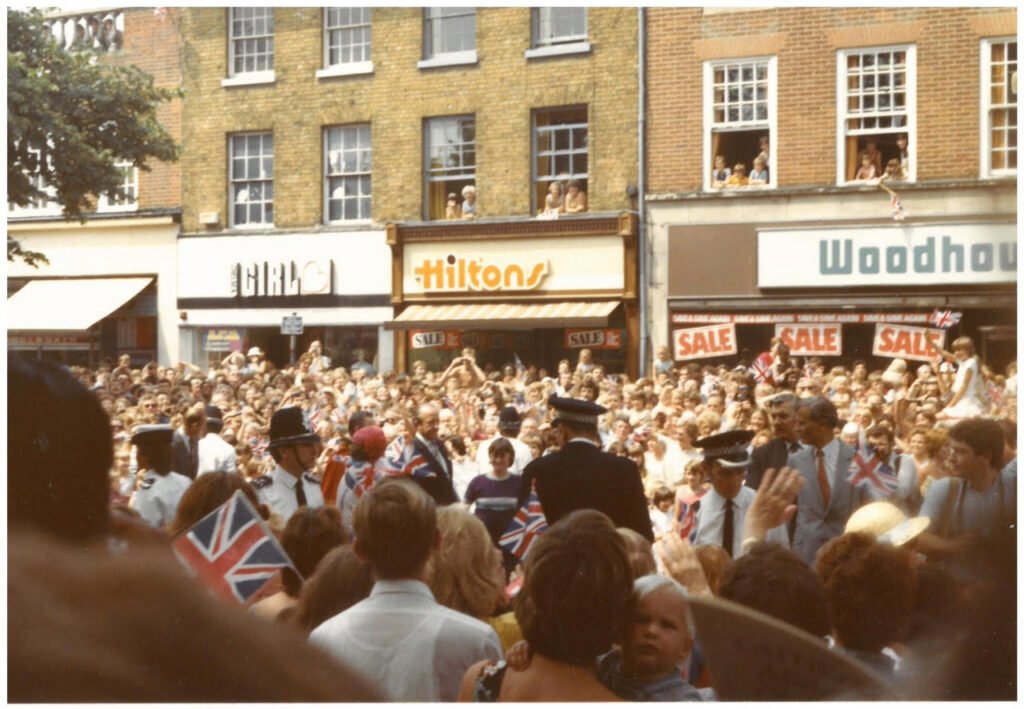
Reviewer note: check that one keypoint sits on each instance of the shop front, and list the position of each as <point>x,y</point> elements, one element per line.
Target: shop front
<point>843,291</point>
<point>526,290</point>
<point>235,291</point>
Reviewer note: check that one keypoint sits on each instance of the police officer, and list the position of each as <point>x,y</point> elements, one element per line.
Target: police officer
<point>160,491</point>
<point>295,447</point>
<point>582,476</point>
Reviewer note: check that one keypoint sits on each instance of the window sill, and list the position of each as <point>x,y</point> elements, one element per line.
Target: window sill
<point>875,183</point>
<point>250,227</point>
<point>743,188</point>
<point>558,50</point>
<point>453,59</point>
<point>353,69</point>
<point>349,223</point>
<point>107,209</point>
<point>253,78</point>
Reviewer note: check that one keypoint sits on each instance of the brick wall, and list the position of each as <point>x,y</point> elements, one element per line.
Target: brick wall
<point>805,41</point>
<point>501,91</point>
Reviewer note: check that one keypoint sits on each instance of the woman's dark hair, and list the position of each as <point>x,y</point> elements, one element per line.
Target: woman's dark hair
<point>309,534</point>
<point>59,452</point>
<point>576,589</point>
<point>208,492</point>
<point>340,581</point>
<point>501,446</point>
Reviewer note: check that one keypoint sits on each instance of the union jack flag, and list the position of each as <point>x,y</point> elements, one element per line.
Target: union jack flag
<point>231,550</point>
<point>314,417</point>
<point>762,368</point>
<point>874,472</point>
<point>402,458</point>
<point>944,318</point>
<point>259,447</point>
<point>359,477</point>
<point>528,524</point>
<point>897,207</point>
<point>686,515</point>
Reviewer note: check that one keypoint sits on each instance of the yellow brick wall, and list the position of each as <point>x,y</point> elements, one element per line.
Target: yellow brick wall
<point>805,41</point>
<point>500,90</point>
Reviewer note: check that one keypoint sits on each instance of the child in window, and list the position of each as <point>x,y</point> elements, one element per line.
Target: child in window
<point>871,148</point>
<point>553,200</point>
<point>893,171</point>
<point>901,143</point>
<point>575,198</point>
<point>866,171</point>
<point>759,175</point>
<point>738,178</point>
<point>720,175</point>
<point>762,143</point>
<point>451,209</point>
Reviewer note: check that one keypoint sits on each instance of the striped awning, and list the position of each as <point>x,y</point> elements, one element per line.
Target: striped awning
<point>503,315</point>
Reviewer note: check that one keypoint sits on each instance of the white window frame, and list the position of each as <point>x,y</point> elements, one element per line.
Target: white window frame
<point>841,99</point>
<point>441,176</point>
<point>707,164</point>
<point>433,58</point>
<point>130,183</point>
<point>985,141</point>
<point>232,181</point>
<point>555,46</point>
<point>535,152</point>
<point>48,207</point>
<point>248,78</point>
<point>343,68</point>
<point>328,174</point>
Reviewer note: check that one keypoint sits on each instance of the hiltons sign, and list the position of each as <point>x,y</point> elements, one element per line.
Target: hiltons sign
<point>477,274</point>
<point>910,254</point>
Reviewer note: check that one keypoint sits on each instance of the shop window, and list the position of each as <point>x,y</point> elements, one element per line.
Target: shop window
<point>347,178</point>
<point>127,198</point>
<point>999,107</point>
<point>876,96</point>
<point>449,35</point>
<point>560,150</point>
<point>559,25</point>
<point>252,179</point>
<point>739,100</point>
<point>450,160</point>
<point>252,40</point>
<point>346,36</point>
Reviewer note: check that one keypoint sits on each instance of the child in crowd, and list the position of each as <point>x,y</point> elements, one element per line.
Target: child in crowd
<point>495,494</point>
<point>661,511</point>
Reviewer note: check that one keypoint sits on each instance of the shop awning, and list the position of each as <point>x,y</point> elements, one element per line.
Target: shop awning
<point>503,315</point>
<point>72,304</point>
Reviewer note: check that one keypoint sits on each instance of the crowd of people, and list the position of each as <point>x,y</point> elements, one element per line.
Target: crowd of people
<point>872,510</point>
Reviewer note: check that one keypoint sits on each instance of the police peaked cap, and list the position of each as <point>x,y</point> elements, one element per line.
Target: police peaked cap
<point>576,410</point>
<point>291,425</point>
<point>156,434</point>
<point>729,449</point>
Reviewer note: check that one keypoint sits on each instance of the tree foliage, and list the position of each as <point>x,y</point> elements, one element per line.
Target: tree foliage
<point>70,117</point>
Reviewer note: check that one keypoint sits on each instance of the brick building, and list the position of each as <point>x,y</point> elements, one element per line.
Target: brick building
<point>110,285</point>
<point>816,243</point>
<point>308,131</point>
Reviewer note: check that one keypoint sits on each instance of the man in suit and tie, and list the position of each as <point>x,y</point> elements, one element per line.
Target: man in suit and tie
<point>581,476</point>
<point>185,445</point>
<point>774,454</point>
<point>827,498</point>
<point>429,446</point>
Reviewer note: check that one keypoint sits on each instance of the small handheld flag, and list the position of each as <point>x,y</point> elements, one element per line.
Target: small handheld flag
<point>231,550</point>
<point>944,318</point>
<point>761,368</point>
<point>528,524</point>
<point>874,472</point>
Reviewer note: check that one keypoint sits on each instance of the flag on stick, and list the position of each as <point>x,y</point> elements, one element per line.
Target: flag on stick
<point>232,550</point>
<point>528,524</point>
<point>944,318</point>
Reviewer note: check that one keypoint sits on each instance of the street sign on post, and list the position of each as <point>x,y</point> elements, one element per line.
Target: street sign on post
<point>291,324</point>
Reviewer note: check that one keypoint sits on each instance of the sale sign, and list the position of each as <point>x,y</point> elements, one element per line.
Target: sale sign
<point>811,339</point>
<point>601,339</point>
<point>434,340</point>
<point>908,342</point>
<point>703,342</point>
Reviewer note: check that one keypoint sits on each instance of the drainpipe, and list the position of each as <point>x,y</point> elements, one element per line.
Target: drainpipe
<point>642,190</point>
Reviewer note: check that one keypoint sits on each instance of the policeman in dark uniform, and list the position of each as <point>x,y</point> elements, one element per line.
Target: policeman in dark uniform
<point>294,446</point>
<point>582,476</point>
<point>161,489</point>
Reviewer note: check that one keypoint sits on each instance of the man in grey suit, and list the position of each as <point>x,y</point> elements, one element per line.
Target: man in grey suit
<point>827,498</point>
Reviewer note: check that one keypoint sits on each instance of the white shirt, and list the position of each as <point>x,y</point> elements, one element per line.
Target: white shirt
<point>406,644</point>
<point>216,455</point>
<point>711,521</point>
<point>277,491</point>
<point>158,496</point>
<point>523,455</point>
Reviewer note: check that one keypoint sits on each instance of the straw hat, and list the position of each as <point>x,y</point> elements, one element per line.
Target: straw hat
<point>886,522</point>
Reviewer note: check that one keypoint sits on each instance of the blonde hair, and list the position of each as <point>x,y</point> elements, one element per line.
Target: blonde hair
<point>963,343</point>
<point>464,575</point>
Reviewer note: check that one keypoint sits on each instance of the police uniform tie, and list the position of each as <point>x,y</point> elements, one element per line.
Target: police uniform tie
<point>193,462</point>
<point>826,490</point>
<point>300,494</point>
<point>727,528</point>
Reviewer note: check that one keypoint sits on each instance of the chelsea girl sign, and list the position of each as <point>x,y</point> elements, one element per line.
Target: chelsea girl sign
<point>914,254</point>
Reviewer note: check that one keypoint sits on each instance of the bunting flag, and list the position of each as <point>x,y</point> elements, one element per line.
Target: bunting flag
<point>898,212</point>
<point>528,524</point>
<point>870,470</point>
<point>232,551</point>
<point>761,368</point>
<point>944,318</point>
